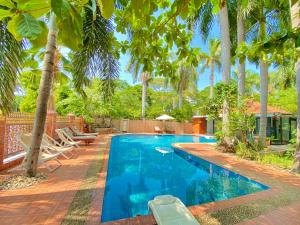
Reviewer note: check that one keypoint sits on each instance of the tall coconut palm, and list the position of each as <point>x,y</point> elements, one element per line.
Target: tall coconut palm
<point>212,60</point>
<point>264,17</point>
<point>186,76</point>
<point>240,39</point>
<point>144,76</point>
<point>226,64</point>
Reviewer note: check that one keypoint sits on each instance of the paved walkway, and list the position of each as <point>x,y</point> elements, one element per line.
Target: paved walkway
<point>48,202</point>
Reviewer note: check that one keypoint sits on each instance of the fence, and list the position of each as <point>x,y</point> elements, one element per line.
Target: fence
<point>16,123</point>
<point>147,126</point>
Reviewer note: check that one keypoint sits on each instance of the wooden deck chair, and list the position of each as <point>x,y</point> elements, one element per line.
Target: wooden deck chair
<point>44,155</point>
<point>169,210</point>
<point>85,138</point>
<point>157,130</point>
<point>65,139</point>
<point>78,133</point>
<point>55,147</point>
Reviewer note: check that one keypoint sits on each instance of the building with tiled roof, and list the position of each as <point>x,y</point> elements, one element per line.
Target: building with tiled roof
<point>280,123</point>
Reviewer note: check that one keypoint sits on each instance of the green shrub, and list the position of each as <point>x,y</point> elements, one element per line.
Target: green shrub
<point>247,151</point>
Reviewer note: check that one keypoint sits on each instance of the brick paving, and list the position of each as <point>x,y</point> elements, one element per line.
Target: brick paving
<point>48,202</point>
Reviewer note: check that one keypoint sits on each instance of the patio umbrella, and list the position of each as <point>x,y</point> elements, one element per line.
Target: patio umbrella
<point>165,117</point>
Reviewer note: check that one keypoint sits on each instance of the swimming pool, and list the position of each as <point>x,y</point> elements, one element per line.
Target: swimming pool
<point>137,172</point>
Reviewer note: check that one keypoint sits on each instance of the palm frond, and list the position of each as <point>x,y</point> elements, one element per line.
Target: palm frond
<point>203,19</point>
<point>95,58</point>
<point>10,66</point>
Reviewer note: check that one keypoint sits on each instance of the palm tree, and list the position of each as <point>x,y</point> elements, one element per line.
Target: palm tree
<point>204,18</point>
<point>144,76</point>
<point>294,10</point>
<point>226,64</point>
<point>44,92</point>
<point>259,16</point>
<point>185,77</point>
<point>240,39</point>
<point>10,66</point>
<point>211,60</point>
<point>91,51</point>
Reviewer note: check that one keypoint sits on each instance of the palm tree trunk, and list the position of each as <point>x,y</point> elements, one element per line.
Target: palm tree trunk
<point>241,62</point>
<point>263,90</point>
<point>180,98</point>
<point>144,95</point>
<point>51,102</point>
<point>212,79</point>
<point>225,57</point>
<point>296,166</point>
<point>44,92</point>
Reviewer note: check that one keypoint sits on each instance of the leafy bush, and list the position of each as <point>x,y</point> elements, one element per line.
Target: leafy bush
<point>247,150</point>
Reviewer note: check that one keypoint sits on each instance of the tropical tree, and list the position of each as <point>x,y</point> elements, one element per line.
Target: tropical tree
<point>144,76</point>
<point>226,64</point>
<point>263,18</point>
<point>186,76</point>
<point>25,22</point>
<point>10,65</point>
<point>212,59</point>
<point>240,39</point>
<point>295,16</point>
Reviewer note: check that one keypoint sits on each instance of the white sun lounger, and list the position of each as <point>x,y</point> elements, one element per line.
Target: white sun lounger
<point>169,210</point>
<point>65,139</point>
<point>55,147</point>
<point>44,155</point>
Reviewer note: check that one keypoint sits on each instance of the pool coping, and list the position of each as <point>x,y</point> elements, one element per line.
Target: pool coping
<point>95,211</point>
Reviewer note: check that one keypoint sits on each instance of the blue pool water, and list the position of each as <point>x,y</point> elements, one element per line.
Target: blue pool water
<point>137,172</point>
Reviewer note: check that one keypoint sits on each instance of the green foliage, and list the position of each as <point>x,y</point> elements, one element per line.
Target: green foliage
<point>284,162</point>
<point>284,99</point>
<point>246,150</point>
<point>221,92</point>
<point>106,7</point>
<point>10,64</point>
<point>29,81</point>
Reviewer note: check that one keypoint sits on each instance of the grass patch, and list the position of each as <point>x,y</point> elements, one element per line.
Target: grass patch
<point>239,213</point>
<point>79,208</point>
<point>281,161</point>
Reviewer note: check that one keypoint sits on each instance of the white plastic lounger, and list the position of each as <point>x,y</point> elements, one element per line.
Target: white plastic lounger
<point>169,210</point>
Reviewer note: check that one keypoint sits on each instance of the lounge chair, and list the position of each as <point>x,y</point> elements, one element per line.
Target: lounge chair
<point>76,131</point>
<point>44,155</point>
<point>55,147</point>
<point>169,210</point>
<point>157,130</point>
<point>65,139</point>
<point>170,130</point>
<point>85,138</point>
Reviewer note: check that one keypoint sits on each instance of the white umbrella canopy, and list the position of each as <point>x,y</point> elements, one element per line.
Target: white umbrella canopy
<point>165,117</point>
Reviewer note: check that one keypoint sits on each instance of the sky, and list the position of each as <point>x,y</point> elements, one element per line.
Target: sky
<point>203,80</point>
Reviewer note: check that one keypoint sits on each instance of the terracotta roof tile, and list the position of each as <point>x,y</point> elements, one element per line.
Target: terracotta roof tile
<point>254,107</point>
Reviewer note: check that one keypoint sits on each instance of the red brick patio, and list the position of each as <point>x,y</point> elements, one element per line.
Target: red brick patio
<point>48,202</point>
